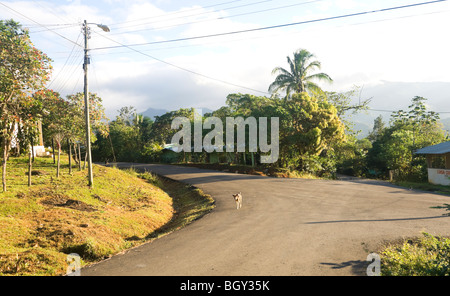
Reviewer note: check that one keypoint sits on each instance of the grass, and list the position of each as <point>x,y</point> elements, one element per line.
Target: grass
<point>41,224</point>
<point>425,256</point>
<point>425,186</point>
<point>257,170</point>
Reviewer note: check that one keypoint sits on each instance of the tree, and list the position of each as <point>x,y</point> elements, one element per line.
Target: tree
<point>308,129</point>
<point>299,77</point>
<point>23,70</point>
<point>377,130</point>
<point>98,119</point>
<point>59,119</point>
<point>417,118</point>
<point>129,139</point>
<point>344,106</point>
<point>394,147</point>
<point>162,132</point>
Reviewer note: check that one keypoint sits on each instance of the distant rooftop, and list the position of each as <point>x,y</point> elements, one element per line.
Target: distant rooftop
<point>441,148</point>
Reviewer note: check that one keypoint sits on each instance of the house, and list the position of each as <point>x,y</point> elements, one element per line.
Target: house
<point>438,163</point>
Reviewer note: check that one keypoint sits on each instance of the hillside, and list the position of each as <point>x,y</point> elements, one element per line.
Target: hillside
<point>40,225</point>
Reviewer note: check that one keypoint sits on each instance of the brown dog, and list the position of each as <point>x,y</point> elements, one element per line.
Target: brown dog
<point>238,200</point>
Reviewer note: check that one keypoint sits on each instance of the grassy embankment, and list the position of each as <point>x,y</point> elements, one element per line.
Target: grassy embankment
<point>41,224</point>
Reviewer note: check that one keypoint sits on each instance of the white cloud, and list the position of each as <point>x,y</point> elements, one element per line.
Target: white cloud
<point>362,50</point>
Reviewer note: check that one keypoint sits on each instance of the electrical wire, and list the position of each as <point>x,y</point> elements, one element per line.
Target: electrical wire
<point>184,69</point>
<point>203,13</point>
<point>273,35</point>
<point>392,111</point>
<point>67,60</point>
<point>51,30</point>
<point>176,12</point>
<point>219,18</point>
<point>275,26</point>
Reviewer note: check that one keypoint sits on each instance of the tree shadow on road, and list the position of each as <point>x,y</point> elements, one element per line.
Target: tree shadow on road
<point>379,220</point>
<point>358,267</point>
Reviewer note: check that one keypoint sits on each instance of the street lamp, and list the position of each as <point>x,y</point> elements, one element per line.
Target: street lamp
<point>86,31</point>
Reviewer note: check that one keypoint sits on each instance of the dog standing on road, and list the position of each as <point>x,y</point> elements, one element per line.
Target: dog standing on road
<point>238,200</point>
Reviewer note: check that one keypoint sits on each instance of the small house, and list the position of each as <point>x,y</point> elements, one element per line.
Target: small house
<point>438,163</point>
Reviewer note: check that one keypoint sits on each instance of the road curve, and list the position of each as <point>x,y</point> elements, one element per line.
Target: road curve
<point>285,227</point>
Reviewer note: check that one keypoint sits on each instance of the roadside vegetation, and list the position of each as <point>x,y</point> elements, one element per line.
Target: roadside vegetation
<point>424,256</point>
<point>47,209</point>
<point>42,224</point>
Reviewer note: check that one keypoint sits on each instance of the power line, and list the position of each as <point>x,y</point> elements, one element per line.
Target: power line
<point>58,27</point>
<point>67,60</point>
<point>50,10</point>
<point>259,37</point>
<point>207,12</point>
<point>222,17</point>
<point>392,111</point>
<point>176,12</point>
<point>51,30</point>
<point>184,69</point>
<point>276,26</point>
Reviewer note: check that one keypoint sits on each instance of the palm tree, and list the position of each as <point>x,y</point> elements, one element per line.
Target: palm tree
<point>299,79</point>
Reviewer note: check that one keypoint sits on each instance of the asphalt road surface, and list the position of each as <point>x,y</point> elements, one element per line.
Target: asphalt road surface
<point>285,227</point>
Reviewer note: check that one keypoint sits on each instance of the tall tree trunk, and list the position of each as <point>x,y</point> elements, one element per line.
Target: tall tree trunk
<point>32,149</point>
<point>30,164</point>
<point>5,158</point>
<point>75,156</point>
<point>6,147</point>
<point>58,162</point>
<point>112,148</point>
<point>253,160</point>
<point>70,156</point>
<point>79,156</point>
<point>53,151</point>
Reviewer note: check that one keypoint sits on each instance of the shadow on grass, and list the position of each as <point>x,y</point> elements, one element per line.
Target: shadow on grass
<point>189,202</point>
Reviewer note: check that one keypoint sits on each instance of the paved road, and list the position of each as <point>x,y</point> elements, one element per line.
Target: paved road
<point>285,227</point>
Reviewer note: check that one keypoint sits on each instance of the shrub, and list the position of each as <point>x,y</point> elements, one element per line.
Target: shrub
<point>427,256</point>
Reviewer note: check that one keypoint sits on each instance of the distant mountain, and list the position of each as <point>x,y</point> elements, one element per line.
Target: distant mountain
<point>150,112</point>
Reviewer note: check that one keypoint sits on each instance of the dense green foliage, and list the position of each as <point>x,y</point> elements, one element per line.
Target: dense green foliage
<point>23,69</point>
<point>428,256</point>
<point>315,133</point>
<point>393,146</point>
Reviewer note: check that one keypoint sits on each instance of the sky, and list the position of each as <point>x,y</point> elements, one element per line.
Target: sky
<point>171,54</point>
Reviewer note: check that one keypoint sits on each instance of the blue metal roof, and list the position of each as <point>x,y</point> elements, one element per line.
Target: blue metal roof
<point>441,148</point>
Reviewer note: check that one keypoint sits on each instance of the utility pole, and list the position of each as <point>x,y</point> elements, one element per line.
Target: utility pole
<point>87,36</point>
<point>86,31</point>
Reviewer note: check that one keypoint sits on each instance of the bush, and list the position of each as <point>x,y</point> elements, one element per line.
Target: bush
<point>427,256</point>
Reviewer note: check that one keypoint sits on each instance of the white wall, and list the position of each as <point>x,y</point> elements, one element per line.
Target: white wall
<point>439,176</point>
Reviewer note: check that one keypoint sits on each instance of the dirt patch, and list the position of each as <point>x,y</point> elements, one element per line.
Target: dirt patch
<point>37,173</point>
<point>62,201</point>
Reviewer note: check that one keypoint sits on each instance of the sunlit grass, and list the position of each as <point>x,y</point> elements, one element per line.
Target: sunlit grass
<point>41,224</point>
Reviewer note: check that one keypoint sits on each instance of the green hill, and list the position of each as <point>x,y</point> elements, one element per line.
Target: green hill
<point>41,224</point>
